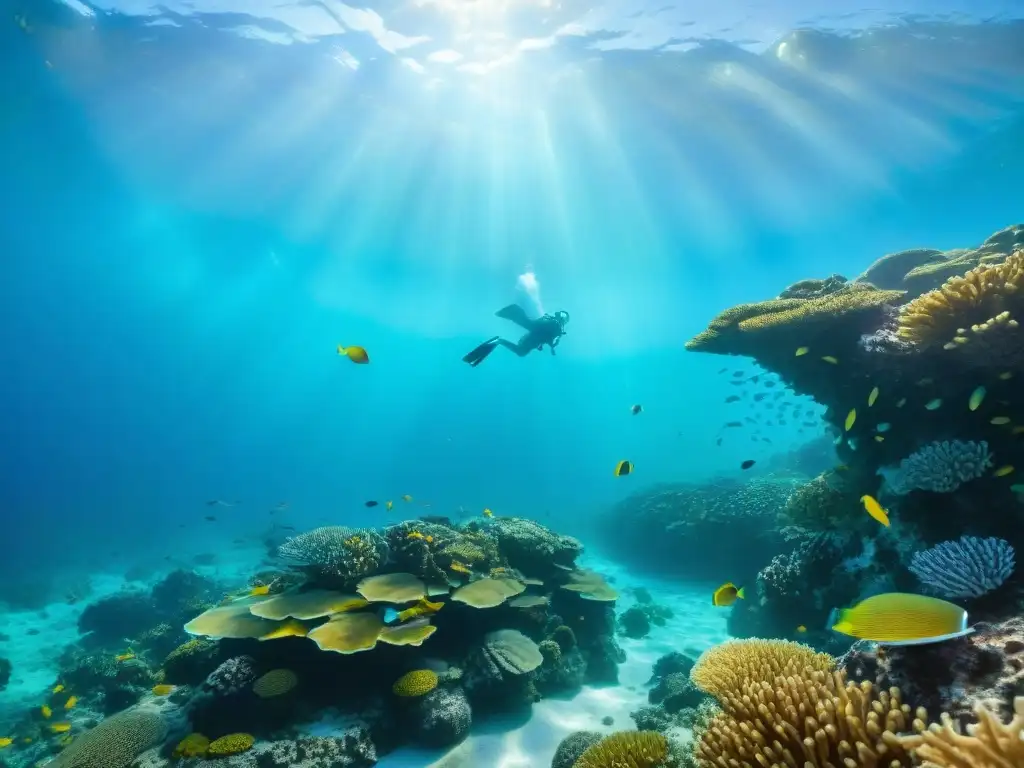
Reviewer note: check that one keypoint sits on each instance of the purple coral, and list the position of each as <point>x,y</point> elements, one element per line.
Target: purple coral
<point>939,467</point>
<point>970,567</point>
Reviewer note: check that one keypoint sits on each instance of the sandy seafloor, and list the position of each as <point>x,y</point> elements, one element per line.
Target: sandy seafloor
<point>695,626</point>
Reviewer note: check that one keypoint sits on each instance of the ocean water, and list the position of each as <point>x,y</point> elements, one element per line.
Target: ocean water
<point>203,200</point>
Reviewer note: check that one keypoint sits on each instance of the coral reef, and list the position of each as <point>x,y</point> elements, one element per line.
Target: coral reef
<point>336,555</point>
<point>629,749</point>
<point>987,743</point>
<point>572,746</point>
<point>115,742</point>
<point>970,567</point>
<point>939,467</point>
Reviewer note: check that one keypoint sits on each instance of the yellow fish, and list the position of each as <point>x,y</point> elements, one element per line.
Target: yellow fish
<point>879,439</point>
<point>898,618</point>
<point>874,509</point>
<point>901,402</point>
<point>830,359</point>
<point>46,712</point>
<point>124,657</point>
<point>388,505</point>
<point>999,420</point>
<point>414,535</point>
<point>487,513</point>
<point>801,351</point>
<point>1003,471</point>
<point>423,608</point>
<point>407,497</point>
<point>259,590</point>
<point>6,742</point>
<point>429,539</point>
<point>851,417</point>
<point>163,690</point>
<point>459,568</point>
<point>726,595</point>
<point>355,354</point>
<point>935,404</point>
<point>288,629</point>
<point>801,629</point>
<point>872,397</point>
<point>58,688</point>
<point>624,468</point>
<point>70,703</point>
<point>60,727</point>
<point>976,399</point>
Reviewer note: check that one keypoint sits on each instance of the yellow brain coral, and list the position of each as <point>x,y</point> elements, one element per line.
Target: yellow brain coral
<point>807,718</point>
<point>626,749</point>
<point>966,306</point>
<point>416,683</point>
<point>723,669</point>
<point>276,682</point>
<point>989,744</point>
<point>193,745</point>
<point>232,744</point>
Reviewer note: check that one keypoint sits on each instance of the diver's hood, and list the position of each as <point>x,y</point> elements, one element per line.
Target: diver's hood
<point>562,317</point>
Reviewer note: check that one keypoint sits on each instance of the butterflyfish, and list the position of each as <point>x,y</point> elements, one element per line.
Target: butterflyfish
<point>407,497</point>
<point>801,351</point>
<point>872,396</point>
<point>486,513</point>
<point>70,703</point>
<point>1003,471</point>
<point>46,712</point>
<point>355,354</point>
<point>6,742</point>
<point>726,595</point>
<point>623,468</point>
<point>801,629</point>
<point>851,418</point>
<point>899,618</point>
<point>874,509</point>
<point>423,608</point>
<point>388,505</point>
<point>163,690</point>
<point>60,727</point>
<point>57,688</point>
<point>999,420</point>
<point>976,399</point>
<point>831,360</point>
<point>259,590</point>
<point>933,405</point>
<point>879,439</point>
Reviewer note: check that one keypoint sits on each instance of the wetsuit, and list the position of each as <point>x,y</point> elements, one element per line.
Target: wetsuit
<point>547,329</point>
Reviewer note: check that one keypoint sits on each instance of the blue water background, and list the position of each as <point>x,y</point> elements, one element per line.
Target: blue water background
<point>193,219</point>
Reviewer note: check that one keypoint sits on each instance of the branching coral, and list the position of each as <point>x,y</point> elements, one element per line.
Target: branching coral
<point>811,718</point>
<point>967,305</point>
<point>336,554</point>
<point>989,744</point>
<point>970,567</point>
<point>939,467</point>
<point>626,749</point>
<point>725,668</point>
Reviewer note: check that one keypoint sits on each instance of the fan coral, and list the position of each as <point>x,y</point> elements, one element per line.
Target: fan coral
<point>810,718</point>
<point>510,652</point>
<point>943,316</point>
<point>336,553</point>
<point>416,683</point>
<point>626,749</point>
<point>970,567</point>
<point>939,467</point>
<point>115,742</point>
<point>989,744</point>
<point>276,682</point>
<point>727,667</point>
<point>232,744</point>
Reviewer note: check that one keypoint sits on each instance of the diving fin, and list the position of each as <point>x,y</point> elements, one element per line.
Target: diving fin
<point>517,315</point>
<point>478,355</point>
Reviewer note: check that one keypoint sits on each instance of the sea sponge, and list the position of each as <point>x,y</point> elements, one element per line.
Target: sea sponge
<point>989,744</point>
<point>416,683</point>
<point>276,682</point>
<point>348,633</point>
<point>626,749</point>
<point>488,593</point>
<point>313,604</point>
<point>801,716</point>
<point>392,588</point>
<point>193,745</point>
<point>115,742</point>
<point>939,316</point>
<point>232,744</point>
<point>725,668</point>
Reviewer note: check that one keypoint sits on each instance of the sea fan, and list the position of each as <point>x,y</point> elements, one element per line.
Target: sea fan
<point>970,567</point>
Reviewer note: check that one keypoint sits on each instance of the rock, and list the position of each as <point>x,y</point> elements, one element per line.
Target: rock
<point>442,717</point>
<point>114,618</point>
<point>353,749</point>
<point>572,746</point>
<point>5,673</point>
<point>674,661</point>
<point>674,691</point>
<point>633,623</point>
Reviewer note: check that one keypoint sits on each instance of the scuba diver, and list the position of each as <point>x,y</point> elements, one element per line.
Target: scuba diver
<point>547,329</point>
